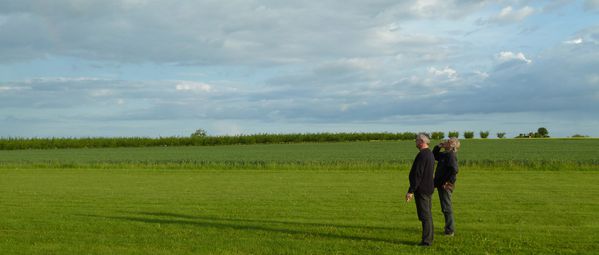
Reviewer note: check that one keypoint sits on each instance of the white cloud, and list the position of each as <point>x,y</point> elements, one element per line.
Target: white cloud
<point>101,93</point>
<point>507,56</point>
<point>446,72</point>
<point>13,88</point>
<point>510,15</point>
<point>482,75</point>
<point>63,79</point>
<point>574,41</point>
<point>193,86</point>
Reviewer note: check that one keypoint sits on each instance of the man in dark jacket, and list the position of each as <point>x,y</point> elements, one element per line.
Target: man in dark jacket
<point>445,178</point>
<point>421,187</point>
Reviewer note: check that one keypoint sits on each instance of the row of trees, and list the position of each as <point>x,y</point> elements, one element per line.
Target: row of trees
<point>541,133</point>
<point>467,134</point>
<point>201,138</point>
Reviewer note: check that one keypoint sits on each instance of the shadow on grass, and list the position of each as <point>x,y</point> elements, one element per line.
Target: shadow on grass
<point>241,224</point>
<point>183,216</point>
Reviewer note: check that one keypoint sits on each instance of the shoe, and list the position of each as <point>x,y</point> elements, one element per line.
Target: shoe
<point>449,233</point>
<point>424,244</point>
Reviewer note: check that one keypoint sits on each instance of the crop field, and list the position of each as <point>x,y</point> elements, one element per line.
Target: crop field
<point>530,196</point>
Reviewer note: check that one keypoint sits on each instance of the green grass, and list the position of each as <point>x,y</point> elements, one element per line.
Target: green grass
<point>325,198</point>
<point>91,211</point>
<point>526,151</point>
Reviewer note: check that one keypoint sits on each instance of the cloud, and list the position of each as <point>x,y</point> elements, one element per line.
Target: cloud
<point>446,72</point>
<point>508,56</point>
<point>431,9</point>
<point>574,41</point>
<point>509,15</point>
<point>591,5</point>
<point>343,62</point>
<point>193,86</point>
<point>212,32</point>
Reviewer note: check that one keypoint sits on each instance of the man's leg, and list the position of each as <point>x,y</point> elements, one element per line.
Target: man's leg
<point>446,208</point>
<point>423,207</point>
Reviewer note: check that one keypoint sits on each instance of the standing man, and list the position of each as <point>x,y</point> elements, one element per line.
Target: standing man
<point>421,187</point>
<point>445,178</point>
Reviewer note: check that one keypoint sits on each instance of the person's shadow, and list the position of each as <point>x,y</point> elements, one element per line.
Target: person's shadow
<point>256,225</point>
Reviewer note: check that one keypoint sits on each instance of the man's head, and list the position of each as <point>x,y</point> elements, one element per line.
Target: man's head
<point>422,141</point>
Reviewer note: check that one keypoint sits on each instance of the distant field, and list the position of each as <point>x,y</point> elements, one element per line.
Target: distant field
<point>309,198</point>
<point>361,154</point>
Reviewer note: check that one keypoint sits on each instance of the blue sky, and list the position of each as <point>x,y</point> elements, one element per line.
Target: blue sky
<point>166,68</point>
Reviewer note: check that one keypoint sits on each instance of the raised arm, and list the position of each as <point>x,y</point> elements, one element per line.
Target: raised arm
<point>437,152</point>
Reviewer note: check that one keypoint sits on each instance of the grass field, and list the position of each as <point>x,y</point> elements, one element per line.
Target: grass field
<point>567,152</point>
<point>133,209</point>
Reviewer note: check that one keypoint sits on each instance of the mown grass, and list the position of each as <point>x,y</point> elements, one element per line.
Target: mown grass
<point>309,198</point>
<point>142,211</point>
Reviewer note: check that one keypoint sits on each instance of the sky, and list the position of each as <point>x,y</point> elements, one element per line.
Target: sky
<point>109,68</point>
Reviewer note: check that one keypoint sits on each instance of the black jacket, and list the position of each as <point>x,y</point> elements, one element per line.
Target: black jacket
<point>421,174</point>
<point>447,168</point>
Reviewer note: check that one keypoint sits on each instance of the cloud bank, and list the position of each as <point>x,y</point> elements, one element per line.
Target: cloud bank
<point>97,67</point>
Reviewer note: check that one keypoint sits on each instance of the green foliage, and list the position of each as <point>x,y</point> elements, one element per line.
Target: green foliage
<point>455,134</point>
<point>541,133</point>
<point>484,134</point>
<point>437,135</point>
<point>115,142</point>
<point>579,136</point>
<point>199,133</point>
<point>468,134</point>
<point>501,135</point>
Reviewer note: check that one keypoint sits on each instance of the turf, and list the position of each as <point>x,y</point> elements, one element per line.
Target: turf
<point>141,211</point>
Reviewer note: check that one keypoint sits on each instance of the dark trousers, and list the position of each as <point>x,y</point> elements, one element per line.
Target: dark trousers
<point>423,207</point>
<point>446,208</point>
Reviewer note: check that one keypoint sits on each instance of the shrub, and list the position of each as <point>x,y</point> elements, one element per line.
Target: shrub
<point>455,134</point>
<point>468,134</point>
<point>437,135</point>
<point>484,134</point>
<point>199,133</point>
<point>501,135</point>
<point>579,136</point>
<point>542,132</point>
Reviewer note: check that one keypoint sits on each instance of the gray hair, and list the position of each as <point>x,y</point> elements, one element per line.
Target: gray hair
<point>454,144</point>
<point>423,137</point>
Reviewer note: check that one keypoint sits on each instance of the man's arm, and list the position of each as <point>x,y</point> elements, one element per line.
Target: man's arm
<point>437,152</point>
<point>415,174</point>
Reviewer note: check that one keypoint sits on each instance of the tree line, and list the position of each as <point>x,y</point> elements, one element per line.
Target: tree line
<point>201,138</point>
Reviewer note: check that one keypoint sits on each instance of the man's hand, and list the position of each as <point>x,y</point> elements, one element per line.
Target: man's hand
<point>448,186</point>
<point>409,197</point>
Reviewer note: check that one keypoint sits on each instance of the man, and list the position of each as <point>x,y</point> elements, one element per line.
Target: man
<point>445,178</point>
<point>421,187</point>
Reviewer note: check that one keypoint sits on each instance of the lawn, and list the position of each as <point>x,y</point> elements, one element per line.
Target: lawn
<point>126,209</point>
<point>288,212</point>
